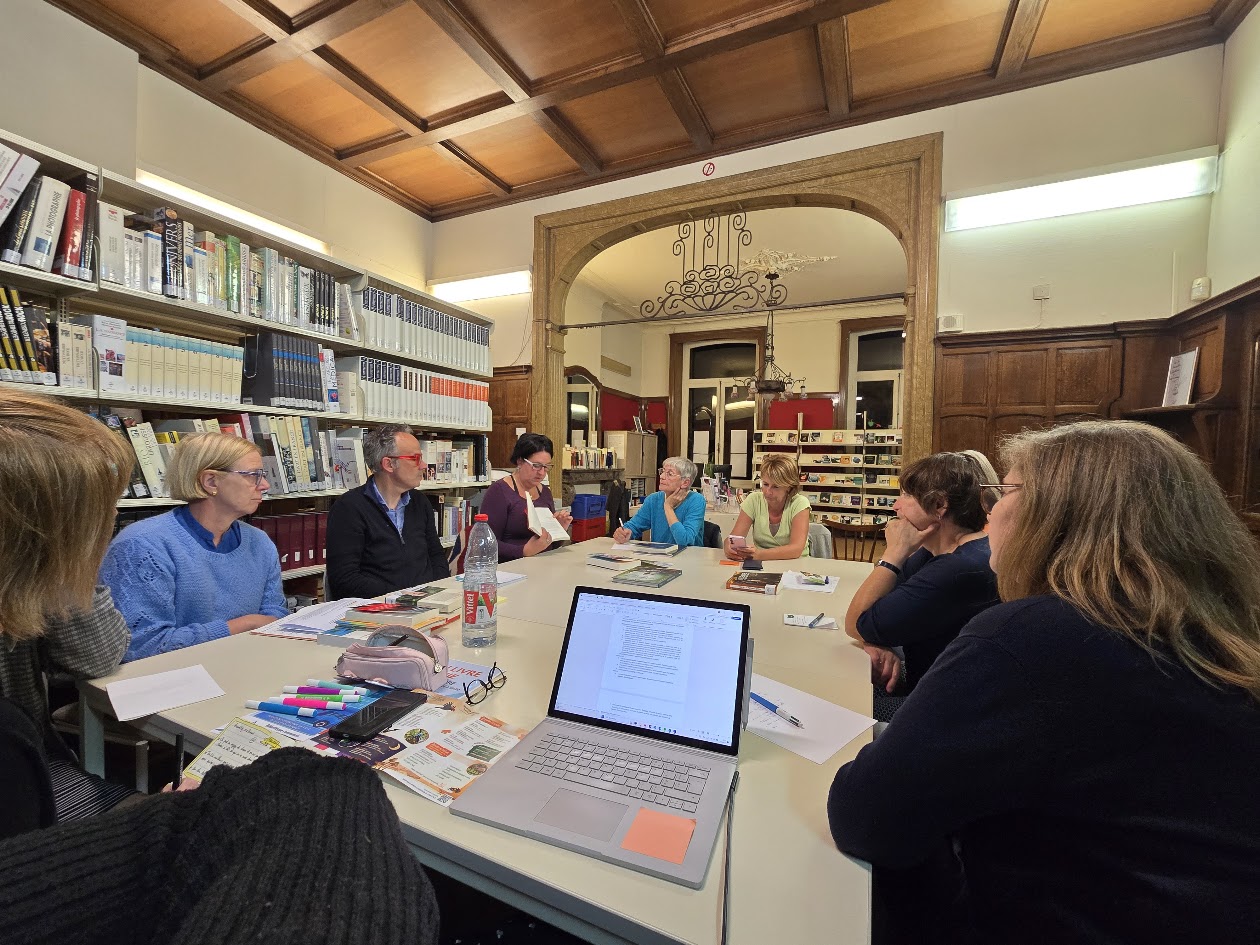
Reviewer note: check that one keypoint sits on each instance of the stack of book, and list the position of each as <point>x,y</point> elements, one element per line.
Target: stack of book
<point>283,371</point>
<point>647,574</point>
<point>360,623</point>
<point>756,582</point>
<point>45,223</point>
<point>299,537</point>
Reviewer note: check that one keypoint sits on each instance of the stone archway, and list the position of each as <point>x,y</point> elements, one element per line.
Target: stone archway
<point>897,184</point>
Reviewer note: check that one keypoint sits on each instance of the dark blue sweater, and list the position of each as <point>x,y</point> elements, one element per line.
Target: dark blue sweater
<point>1097,794</point>
<point>933,600</point>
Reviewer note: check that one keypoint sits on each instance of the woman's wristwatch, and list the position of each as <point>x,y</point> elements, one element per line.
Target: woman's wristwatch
<point>881,563</point>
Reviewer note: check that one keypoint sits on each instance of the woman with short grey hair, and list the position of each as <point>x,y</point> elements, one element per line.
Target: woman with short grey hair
<point>674,514</point>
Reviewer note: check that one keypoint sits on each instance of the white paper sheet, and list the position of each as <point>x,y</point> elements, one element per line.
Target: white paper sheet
<point>739,441</point>
<point>792,581</point>
<point>145,695</point>
<point>700,443</point>
<point>804,620</point>
<point>827,727</point>
<point>739,465</point>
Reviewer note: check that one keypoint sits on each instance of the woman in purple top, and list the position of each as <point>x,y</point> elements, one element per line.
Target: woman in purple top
<point>506,505</point>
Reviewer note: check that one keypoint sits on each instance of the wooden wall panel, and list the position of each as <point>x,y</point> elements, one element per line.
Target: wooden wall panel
<point>1210,340</point>
<point>958,433</point>
<point>1021,378</point>
<point>1002,383</point>
<point>510,393</point>
<point>964,380</point>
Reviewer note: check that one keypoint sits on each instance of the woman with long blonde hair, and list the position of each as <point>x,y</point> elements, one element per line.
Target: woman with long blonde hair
<point>1091,745</point>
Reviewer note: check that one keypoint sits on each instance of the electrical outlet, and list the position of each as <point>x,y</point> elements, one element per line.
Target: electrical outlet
<point>1041,292</point>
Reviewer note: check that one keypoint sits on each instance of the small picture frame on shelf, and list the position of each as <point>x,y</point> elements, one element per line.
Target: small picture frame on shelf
<point>638,424</point>
<point>1180,383</point>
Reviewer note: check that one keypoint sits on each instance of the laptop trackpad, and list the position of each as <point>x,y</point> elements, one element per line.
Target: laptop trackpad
<point>590,816</point>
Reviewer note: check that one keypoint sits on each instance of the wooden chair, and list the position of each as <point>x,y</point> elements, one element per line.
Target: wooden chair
<point>855,542</point>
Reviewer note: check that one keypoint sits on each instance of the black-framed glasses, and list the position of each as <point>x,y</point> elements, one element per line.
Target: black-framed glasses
<point>477,690</point>
<point>259,476</point>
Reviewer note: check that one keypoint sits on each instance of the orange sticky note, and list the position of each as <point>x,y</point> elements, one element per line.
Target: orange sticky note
<point>664,836</point>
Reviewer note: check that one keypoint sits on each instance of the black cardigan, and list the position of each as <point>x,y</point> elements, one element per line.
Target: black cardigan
<point>366,556</point>
<point>293,849</point>
<point>1097,794</point>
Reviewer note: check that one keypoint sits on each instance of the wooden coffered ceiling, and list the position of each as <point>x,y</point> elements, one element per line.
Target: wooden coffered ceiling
<point>453,106</point>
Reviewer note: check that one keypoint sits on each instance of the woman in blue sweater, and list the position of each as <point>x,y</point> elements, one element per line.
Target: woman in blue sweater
<point>675,514</point>
<point>197,573</point>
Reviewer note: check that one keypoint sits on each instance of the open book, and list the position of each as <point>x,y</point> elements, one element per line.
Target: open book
<point>542,519</point>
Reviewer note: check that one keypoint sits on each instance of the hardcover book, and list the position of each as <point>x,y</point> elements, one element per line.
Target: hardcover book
<point>757,582</point>
<point>647,575</point>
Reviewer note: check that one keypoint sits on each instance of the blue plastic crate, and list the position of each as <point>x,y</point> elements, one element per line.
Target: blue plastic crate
<point>589,506</point>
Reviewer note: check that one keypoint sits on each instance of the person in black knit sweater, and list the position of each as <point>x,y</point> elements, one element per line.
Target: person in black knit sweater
<point>1091,746</point>
<point>290,850</point>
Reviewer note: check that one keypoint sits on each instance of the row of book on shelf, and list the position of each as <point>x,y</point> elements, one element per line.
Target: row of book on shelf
<point>842,437</point>
<point>297,454</point>
<point>382,390</point>
<point>56,226</point>
<point>45,223</point>
<point>393,321</point>
<point>26,346</point>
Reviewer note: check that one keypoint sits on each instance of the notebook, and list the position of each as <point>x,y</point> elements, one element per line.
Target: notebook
<point>635,760</point>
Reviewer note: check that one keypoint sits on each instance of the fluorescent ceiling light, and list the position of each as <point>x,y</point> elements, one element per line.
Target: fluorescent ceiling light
<point>251,220</point>
<point>485,287</point>
<point>1104,192</point>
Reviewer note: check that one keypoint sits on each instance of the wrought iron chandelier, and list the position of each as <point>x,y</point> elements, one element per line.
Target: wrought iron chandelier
<point>712,278</point>
<point>773,380</point>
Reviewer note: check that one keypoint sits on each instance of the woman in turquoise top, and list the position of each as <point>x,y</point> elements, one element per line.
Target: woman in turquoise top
<point>675,513</point>
<point>773,523</point>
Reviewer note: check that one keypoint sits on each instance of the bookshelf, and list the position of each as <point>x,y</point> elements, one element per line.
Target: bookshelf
<point>438,348</point>
<point>849,476</point>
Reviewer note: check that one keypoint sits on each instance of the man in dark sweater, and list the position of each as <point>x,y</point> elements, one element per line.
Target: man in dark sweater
<point>381,537</point>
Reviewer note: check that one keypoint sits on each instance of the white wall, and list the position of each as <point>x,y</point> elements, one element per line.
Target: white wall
<point>513,328</point>
<point>1153,108</point>
<point>66,86</point>
<point>1232,256</point>
<point>806,343</point>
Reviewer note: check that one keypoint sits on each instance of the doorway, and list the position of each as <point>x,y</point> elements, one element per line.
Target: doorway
<point>716,413</point>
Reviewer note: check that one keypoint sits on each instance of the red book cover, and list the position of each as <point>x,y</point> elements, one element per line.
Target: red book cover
<point>268,525</point>
<point>308,525</point>
<point>70,247</point>
<point>285,542</point>
<point>321,536</point>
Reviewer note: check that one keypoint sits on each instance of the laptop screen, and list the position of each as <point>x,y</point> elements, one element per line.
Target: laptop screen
<point>664,667</point>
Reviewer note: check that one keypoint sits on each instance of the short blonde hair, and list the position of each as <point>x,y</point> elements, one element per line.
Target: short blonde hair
<point>198,452</point>
<point>61,476</point>
<point>1127,525</point>
<point>779,469</point>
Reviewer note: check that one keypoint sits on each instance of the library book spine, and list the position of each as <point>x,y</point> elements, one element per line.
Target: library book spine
<point>45,228</point>
<point>15,184</point>
<point>166,222</point>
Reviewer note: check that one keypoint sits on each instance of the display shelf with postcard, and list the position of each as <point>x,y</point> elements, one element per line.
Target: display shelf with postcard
<point>849,476</point>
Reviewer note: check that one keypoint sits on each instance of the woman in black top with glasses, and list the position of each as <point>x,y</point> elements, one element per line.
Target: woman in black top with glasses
<point>507,502</point>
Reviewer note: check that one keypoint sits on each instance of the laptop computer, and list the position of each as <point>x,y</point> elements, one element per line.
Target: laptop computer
<point>646,711</point>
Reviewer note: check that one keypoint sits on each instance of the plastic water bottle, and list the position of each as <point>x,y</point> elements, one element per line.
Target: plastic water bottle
<point>481,585</point>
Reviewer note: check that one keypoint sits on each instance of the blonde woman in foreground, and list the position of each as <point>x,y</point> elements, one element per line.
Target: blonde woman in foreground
<point>1090,746</point>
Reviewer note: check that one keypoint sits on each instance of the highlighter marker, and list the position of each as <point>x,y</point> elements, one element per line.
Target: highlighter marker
<point>348,695</point>
<point>278,708</point>
<point>324,684</point>
<point>308,703</point>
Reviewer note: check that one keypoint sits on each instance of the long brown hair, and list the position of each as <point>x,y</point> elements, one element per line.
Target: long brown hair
<point>1128,525</point>
<point>61,474</point>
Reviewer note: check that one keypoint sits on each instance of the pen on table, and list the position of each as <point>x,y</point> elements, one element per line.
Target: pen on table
<point>324,684</point>
<point>780,712</point>
<point>814,622</point>
<point>309,703</point>
<point>277,707</point>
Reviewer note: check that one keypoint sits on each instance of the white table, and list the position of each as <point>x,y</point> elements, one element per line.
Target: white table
<point>788,880</point>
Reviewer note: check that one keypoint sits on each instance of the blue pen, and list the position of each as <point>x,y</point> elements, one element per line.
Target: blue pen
<point>814,622</point>
<point>278,708</point>
<point>781,713</point>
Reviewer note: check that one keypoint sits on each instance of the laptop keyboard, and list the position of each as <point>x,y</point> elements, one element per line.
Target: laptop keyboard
<point>634,774</point>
